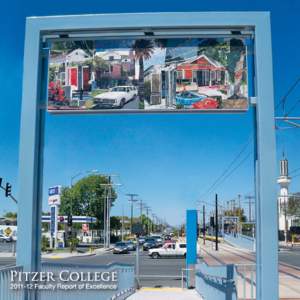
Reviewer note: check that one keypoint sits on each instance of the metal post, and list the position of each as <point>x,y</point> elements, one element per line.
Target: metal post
<point>122,233</point>
<point>137,263</point>
<point>108,211</point>
<point>265,156</point>
<point>131,200</point>
<point>217,225</point>
<point>204,227</point>
<point>104,219</point>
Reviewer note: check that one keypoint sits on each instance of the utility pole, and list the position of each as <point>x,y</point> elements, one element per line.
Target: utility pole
<point>106,210</point>
<point>204,229</point>
<point>148,221</point>
<point>141,210</point>
<point>250,202</point>
<point>122,228</point>
<point>217,225</point>
<point>131,200</point>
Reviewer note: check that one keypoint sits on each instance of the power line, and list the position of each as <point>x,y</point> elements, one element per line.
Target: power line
<point>292,108</point>
<point>232,171</point>
<point>283,99</point>
<point>235,159</point>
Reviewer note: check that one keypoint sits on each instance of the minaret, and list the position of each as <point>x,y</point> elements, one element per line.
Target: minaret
<point>283,181</point>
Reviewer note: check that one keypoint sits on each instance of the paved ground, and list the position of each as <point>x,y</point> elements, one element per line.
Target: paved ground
<point>289,275</point>
<point>165,294</point>
<point>154,272</point>
<point>7,247</point>
<point>133,104</point>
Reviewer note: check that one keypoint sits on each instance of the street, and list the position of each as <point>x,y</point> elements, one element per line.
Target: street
<point>132,104</point>
<point>154,272</point>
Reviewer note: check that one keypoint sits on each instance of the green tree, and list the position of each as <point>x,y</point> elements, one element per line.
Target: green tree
<point>293,205</point>
<point>87,197</point>
<point>10,215</point>
<point>99,66</point>
<point>143,49</point>
<point>236,212</point>
<point>215,49</point>
<point>115,223</point>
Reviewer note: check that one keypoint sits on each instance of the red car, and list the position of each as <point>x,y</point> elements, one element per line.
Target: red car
<point>206,103</point>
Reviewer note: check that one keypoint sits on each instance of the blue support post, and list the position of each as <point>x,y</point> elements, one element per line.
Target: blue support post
<point>191,242</point>
<point>32,128</point>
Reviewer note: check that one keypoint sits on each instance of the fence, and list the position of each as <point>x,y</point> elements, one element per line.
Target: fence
<point>241,241</point>
<point>6,293</point>
<point>124,286</point>
<point>215,282</point>
<point>245,281</point>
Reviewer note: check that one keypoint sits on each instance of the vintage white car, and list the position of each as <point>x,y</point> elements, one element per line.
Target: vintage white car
<point>169,250</point>
<point>117,96</point>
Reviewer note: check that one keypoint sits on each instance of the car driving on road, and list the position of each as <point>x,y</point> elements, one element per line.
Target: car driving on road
<point>116,97</point>
<point>169,250</point>
<point>131,245</point>
<point>151,243</point>
<point>120,248</point>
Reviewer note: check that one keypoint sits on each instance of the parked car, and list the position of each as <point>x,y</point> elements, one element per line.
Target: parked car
<point>5,239</point>
<point>116,97</point>
<point>120,248</point>
<point>207,103</point>
<point>169,250</point>
<point>151,243</point>
<point>131,246</point>
<point>188,98</point>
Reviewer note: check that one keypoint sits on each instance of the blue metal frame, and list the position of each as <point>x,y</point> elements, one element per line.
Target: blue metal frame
<point>191,237</point>
<point>32,128</point>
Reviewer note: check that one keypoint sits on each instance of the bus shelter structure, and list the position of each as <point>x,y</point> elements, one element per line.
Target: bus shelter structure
<point>34,102</point>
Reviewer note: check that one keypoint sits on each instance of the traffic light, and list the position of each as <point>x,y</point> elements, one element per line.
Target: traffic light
<point>212,221</point>
<point>70,221</point>
<point>7,189</point>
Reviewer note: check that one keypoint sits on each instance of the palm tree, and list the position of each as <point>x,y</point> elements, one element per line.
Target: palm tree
<point>143,49</point>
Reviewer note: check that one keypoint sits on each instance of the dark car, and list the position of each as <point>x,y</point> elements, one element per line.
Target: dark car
<point>5,239</point>
<point>131,246</point>
<point>150,244</point>
<point>141,240</point>
<point>120,248</point>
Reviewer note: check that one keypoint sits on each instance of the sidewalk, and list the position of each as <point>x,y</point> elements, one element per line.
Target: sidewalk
<point>60,255</point>
<point>165,294</point>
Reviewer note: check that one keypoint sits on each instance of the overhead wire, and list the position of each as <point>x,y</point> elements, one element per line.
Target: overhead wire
<point>227,169</point>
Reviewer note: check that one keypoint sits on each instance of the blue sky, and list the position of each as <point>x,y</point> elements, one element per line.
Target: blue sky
<point>168,160</point>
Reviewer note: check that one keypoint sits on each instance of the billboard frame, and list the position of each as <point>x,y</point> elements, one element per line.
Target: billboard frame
<point>34,101</point>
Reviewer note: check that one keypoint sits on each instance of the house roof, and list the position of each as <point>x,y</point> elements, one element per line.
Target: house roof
<point>210,60</point>
<point>77,55</point>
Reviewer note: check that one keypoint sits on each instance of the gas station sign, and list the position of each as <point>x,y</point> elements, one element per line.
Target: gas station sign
<point>54,195</point>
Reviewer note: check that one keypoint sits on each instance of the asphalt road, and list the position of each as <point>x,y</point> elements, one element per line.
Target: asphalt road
<point>132,104</point>
<point>291,257</point>
<point>154,272</point>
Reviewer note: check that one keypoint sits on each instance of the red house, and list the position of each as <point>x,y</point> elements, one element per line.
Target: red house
<point>203,71</point>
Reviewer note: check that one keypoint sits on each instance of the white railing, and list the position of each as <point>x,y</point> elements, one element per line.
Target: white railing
<point>7,292</point>
<point>245,275</point>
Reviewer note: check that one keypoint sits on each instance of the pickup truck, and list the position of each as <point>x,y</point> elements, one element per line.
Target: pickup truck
<point>169,250</point>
